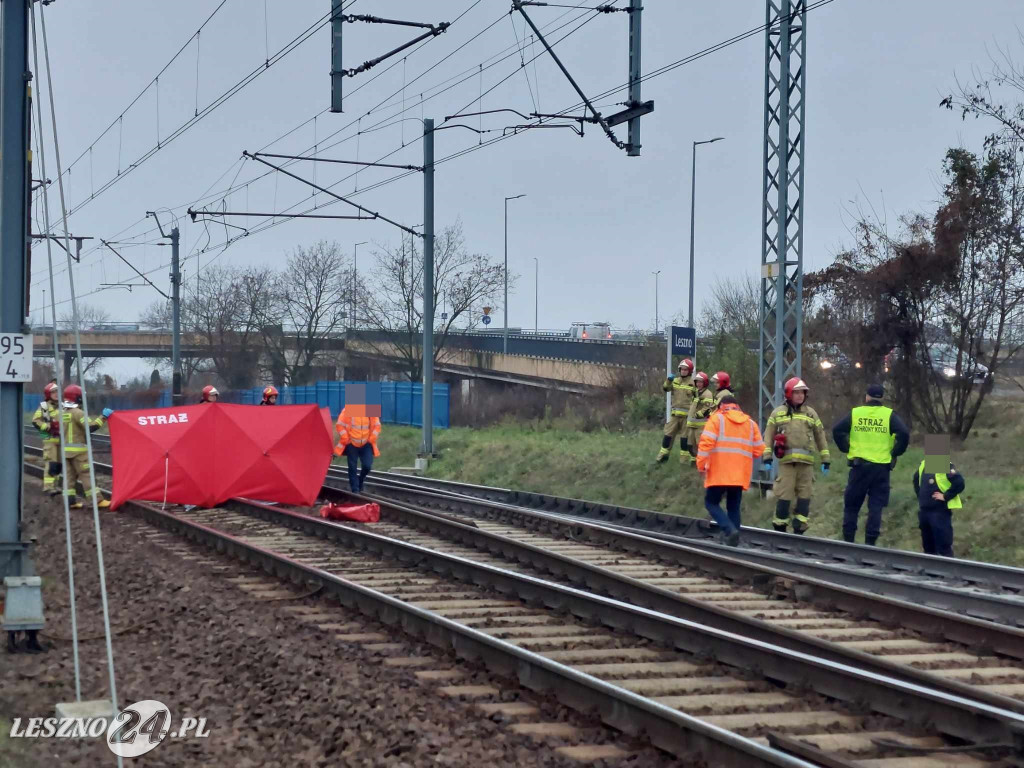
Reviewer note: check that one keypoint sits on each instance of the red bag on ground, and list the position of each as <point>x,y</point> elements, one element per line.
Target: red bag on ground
<point>357,513</point>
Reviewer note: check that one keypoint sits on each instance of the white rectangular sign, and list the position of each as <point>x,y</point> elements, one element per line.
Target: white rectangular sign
<point>15,357</point>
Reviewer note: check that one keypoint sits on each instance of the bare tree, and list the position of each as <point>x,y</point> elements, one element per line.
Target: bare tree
<point>158,316</point>
<point>224,310</point>
<point>307,308</point>
<point>733,308</point>
<point>463,281</point>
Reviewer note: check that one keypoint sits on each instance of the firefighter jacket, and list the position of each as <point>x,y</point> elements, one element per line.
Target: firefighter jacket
<point>723,393</point>
<point>682,391</point>
<point>701,407</point>
<point>357,431</point>
<point>47,420</point>
<point>728,446</point>
<point>74,428</point>
<point>804,433</point>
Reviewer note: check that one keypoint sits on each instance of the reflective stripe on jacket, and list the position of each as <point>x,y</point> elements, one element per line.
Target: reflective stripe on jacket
<point>45,415</point>
<point>74,428</point>
<point>804,434</point>
<point>357,430</point>
<point>682,391</point>
<point>728,446</point>
<point>701,407</point>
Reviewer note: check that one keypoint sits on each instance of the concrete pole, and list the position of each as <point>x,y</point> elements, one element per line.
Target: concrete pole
<point>14,195</point>
<point>504,346</point>
<point>176,396</point>
<point>427,449</point>
<point>536,294</point>
<point>693,207</point>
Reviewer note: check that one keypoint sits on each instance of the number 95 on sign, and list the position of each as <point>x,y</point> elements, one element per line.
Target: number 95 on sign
<point>15,357</point>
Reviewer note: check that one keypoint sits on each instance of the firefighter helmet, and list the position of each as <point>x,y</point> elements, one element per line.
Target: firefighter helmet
<point>73,393</point>
<point>50,389</point>
<point>208,391</point>
<point>701,380</point>
<point>721,380</point>
<point>686,363</point>
<point>795,384</point>
<point>269,391</point>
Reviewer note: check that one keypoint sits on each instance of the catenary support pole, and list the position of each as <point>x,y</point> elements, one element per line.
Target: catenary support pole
<point>633,143</point>
<point>427,449</point>
<point>14,194</point>
<point>337,68</point>
<point>176,396</point>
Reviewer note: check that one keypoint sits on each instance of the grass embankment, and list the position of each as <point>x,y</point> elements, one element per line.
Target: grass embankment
<point>554,457</point>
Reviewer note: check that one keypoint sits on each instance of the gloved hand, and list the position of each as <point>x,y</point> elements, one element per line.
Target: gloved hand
<point>824,469</point>
<point>766,464</point>
<point>108,412</point>
<point>671,376</point>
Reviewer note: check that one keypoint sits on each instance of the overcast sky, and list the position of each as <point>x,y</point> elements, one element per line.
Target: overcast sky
<point>598,222</point>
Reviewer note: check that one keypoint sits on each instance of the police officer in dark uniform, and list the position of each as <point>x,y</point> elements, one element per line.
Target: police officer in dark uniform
<point>872,437</point>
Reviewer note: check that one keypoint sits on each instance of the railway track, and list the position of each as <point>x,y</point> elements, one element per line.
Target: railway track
<point>983,590</point>
<point>640,667</point>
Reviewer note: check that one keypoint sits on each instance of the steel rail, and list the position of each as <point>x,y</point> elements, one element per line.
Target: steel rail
<point>637,592</point>
<point>669,729</point>
<point>725,561</point>
<point>844,557</point>
<point>955,716</point>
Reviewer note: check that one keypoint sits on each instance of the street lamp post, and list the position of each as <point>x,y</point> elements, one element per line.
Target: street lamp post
<point>693,194</point>
<point>504,345</point>
<point>536,294</point>
<point>656,315</point>
<point>355,281</point>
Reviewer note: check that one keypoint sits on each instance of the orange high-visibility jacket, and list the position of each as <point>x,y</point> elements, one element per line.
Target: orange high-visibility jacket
<point>357,430</point>
<point>728,446</point>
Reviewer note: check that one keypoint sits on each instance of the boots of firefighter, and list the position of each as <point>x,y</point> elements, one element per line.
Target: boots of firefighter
<point>666,444</point>
<point>802,518</point>
<point>684,452</point>
<point>781,519</point>
<point>103,503</point>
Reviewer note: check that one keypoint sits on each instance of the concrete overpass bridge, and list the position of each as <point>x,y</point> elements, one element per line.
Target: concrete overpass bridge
<point>558,363</point>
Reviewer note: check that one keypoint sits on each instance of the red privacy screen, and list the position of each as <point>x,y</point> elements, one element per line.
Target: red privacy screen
<point>206,454</point>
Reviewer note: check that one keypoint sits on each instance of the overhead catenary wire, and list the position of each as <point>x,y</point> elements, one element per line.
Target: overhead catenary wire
<point>78,348</point>
<point>474,70</point>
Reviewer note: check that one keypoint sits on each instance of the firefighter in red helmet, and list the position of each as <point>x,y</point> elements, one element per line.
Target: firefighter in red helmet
<point>722,383</point>
<point>76,456</point>
<point>792,435</point>
<point>269,396</point>
<point>682,389</point>
<point>701,407</point>
<point>210,394</point>
<point>46,419</point>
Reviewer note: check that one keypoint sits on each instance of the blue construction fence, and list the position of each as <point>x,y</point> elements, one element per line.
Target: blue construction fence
<point>401,402</point>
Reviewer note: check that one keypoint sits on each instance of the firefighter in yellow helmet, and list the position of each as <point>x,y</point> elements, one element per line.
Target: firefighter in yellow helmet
<point>792,435</point>
<point>46,420</point>
<point>75,451</point>
<point>682,389</point>
<point>701,407</point>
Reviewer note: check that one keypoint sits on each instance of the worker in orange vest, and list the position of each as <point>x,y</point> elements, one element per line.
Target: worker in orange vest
<point>725,456</point>
<point>357,441</point>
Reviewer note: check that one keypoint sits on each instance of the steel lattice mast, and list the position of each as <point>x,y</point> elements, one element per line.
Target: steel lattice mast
<point>783,212</point>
